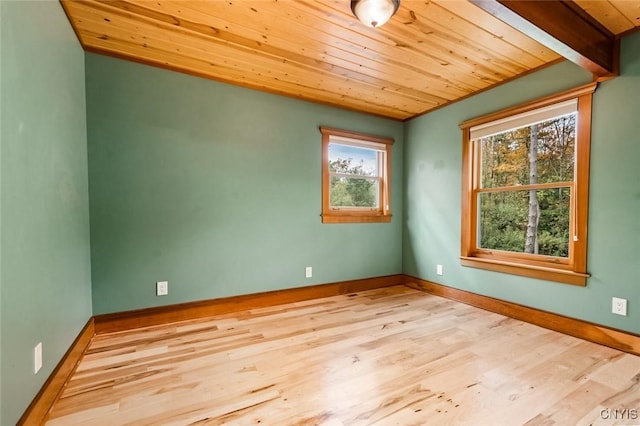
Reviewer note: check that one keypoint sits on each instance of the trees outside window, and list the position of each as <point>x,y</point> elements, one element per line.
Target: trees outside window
<point>525,188</point>
<point>355,177</point>
<point>536,220</point>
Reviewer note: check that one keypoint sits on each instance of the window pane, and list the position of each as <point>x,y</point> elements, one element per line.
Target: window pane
<point>353,160</point>
<point>353,192</point>
<point>506,156</point>
<point>506,218</point>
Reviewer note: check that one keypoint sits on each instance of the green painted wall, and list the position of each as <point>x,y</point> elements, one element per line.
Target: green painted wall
<point>1,49</point>
<point>45,265</point>
<point>217,189</point>
<point>433,192</point>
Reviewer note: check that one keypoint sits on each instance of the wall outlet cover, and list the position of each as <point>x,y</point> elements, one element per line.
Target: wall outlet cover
<point>619,306</point>
<point>37,358</point>
<point>162,288</point>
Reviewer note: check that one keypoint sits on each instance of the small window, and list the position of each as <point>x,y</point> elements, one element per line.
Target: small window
<point>355,177</point>
<point>525,188</point>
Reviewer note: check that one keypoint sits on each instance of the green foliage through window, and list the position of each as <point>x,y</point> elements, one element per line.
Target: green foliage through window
<point>354,180</point>
<point>503,220</point>
<point>536,220</point>
<point>505,156</point>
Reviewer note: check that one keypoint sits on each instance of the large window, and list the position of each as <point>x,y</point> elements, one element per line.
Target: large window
<point>525,188</point>
<point>355,177</point>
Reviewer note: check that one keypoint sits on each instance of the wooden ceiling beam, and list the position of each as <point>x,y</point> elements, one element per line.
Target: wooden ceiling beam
<point>563,27</point>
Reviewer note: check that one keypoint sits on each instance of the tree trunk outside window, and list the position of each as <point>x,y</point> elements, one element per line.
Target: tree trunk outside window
<point>531,241</point>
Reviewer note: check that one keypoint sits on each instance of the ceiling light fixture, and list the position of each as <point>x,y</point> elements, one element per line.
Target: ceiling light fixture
<point>374,13</point>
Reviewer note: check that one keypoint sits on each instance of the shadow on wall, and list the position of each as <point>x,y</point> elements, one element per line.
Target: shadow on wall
<point>432,219</point>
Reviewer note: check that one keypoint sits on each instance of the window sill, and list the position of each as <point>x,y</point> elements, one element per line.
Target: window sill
<point>354,218</point>
<point>539,272</point>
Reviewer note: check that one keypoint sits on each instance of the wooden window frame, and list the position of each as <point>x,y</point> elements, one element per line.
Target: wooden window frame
<point>357,215</point>
<point>571,270</point>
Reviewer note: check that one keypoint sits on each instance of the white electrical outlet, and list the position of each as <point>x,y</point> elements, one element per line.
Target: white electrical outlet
<point>308,272</point>
<point>439,270</point>
<point>619,306</point>
<point>37,358</point>
<point>162,288</point>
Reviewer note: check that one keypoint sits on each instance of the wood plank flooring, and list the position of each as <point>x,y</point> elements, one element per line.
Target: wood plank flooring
<point>392,356</point>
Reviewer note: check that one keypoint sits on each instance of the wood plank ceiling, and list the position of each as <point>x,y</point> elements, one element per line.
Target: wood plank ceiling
<point>431,53</point>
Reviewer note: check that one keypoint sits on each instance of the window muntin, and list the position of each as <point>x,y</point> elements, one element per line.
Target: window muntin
<point>525,188</point>
<point>355,177</point>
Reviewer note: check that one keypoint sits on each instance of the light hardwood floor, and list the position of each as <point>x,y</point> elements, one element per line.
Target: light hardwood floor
<point>393,356</point>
